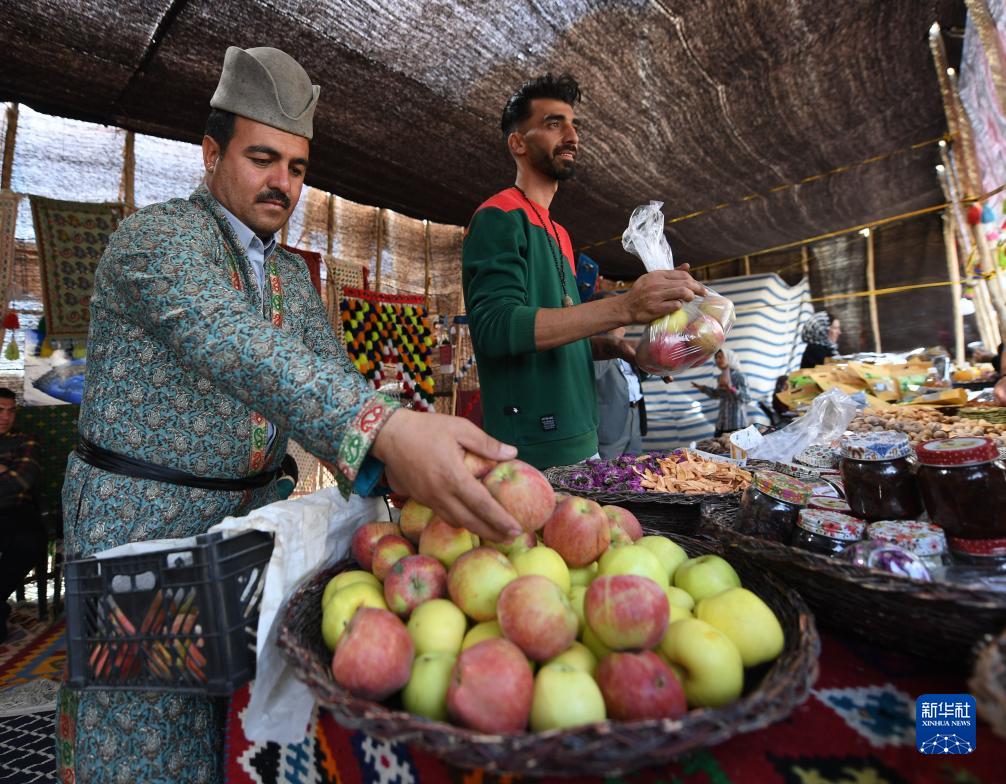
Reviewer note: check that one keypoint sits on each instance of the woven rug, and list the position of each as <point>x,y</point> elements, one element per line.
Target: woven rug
<point>34,649</point>
<point>71,237</point>
<point>27,749</point>
<point>857,728</point>
<point>390,341</point>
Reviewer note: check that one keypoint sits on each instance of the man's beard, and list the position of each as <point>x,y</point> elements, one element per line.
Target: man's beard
<point>553,166</point>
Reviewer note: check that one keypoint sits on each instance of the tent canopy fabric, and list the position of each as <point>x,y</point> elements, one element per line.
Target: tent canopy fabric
<point>693,102</point>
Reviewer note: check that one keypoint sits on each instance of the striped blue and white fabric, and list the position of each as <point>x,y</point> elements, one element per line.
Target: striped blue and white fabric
<point>766,337</point>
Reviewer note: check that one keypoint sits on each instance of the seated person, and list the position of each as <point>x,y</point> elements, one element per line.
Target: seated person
<point>22,539</point>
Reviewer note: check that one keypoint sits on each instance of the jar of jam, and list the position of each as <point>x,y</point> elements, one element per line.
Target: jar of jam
<point>963,482</point>
<point>829,503</point>
<point>826,532</point>
<point>818,456</point>
<point>770,505</point>
<point>925,540</point>
<point>879,476</point>
<point>834,478</point>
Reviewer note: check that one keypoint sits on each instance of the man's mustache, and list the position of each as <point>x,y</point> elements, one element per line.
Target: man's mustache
<point>274,195</point>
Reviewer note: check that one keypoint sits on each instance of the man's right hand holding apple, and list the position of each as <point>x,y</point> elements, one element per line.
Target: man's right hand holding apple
<point>423,455</point>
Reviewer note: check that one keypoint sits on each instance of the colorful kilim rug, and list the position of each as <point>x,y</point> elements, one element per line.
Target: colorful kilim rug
<point>858,727</point>
<point>33,649</point>
<point>8,221</point>
<point>71,237</point>
<point>390,341</point>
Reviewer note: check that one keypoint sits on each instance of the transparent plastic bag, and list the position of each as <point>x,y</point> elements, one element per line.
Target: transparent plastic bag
<point>687,337</point>
<point>825,421</point>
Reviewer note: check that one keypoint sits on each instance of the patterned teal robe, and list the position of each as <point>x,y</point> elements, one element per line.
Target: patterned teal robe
<point>183,351</point>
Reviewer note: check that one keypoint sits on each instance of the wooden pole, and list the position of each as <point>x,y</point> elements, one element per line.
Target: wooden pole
<point>992,281</point>
<point>428,263</point>
<point>380,242</point>
<point>983,309</point>
<point>805,261</point>
<point>129,173</point>
<point>747,266</point>
<point>10,139</point>
<point>871,286</point>
<point>954,270</point>
<point>330,225</point>
<point>957,119</point>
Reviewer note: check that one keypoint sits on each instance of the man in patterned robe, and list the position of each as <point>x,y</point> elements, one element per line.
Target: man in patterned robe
<point>208,347</point>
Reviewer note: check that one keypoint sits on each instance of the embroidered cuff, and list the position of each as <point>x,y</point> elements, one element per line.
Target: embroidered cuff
<point>358,439</point>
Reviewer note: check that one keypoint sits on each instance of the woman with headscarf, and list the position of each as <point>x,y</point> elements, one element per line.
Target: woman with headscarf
<point>820,333</point>
<point>732,391</point>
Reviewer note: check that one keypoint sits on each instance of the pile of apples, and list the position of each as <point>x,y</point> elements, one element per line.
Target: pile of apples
<point>592,621</point>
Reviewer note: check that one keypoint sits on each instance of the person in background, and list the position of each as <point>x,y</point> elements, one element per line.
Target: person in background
<point>732,391</point>
<point>22,538</point>
<point>621,408</point>
<point>820,333</point>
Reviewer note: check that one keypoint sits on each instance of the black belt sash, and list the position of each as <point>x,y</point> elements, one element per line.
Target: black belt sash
<point>107,460</point>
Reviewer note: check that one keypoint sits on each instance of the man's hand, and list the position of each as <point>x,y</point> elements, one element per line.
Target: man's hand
<point>656,294</point>
<point>423,457</point>
<point>1000,391</point>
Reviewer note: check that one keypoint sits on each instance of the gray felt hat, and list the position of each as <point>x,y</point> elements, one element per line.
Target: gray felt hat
<point>268,86</point>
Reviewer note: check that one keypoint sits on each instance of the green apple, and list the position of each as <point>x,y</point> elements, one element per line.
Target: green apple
<point>486,630</point>
<point>593,643</point>
<point>632,559</point>
<point>583,574</point>
<point>437,625</point>
<point>426,692</point>
<point>344,579</point>
<point>565,696</point>
<point>544,561</point>
<point>576,594</point>
<point>705,576</point>
<point>475,580</point>
<point>680,598</point>
<point>670,554</point>
<point>341,607</point>
<point>743,617</point>
<point>674,323</point>
<point>713,671</point>
<point>576,655</point>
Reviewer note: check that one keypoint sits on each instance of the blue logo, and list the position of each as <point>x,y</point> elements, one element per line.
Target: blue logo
<point>945,724</point>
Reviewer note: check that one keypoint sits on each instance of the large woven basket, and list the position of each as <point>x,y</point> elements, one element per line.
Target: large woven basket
<point>988,683</point>
<point>936,620</point>
<point>679,513</point>
<point>608,748</point>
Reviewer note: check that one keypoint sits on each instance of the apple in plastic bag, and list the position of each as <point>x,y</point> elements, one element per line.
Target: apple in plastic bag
<point>719,308</point>
<point>705,335</point>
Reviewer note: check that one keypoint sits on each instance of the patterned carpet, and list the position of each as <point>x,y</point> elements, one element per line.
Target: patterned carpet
<point>31,665</point>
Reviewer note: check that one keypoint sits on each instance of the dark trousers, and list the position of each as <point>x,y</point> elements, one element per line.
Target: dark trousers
<point>22,545</point>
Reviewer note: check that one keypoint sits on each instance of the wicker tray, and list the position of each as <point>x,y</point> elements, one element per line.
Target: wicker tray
<point>607,748</point>
<point>935,620</point>
<point>669,512</point>
<point>988,683</point>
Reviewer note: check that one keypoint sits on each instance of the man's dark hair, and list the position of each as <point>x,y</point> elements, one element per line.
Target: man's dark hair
<point>220,127</point>
<point>7,393</point>
<point>559,88</point>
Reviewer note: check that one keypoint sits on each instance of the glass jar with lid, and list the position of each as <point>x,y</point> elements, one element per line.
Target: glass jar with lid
<point>818,456</point>
<point>770,505</point>
<point>826,532</point>
<point>829,503</point>
<point>963,483</point>
<point>925,540</point>
<point>878,471</point>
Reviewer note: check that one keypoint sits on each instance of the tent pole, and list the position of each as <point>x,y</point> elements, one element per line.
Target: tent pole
<point>991,280</point>
<point>330,225</point>
<point>805,261</point>
<point>747,266</point>
<point>10,139</point>
<point>428,260</point>
<point>871,285</point>
<point>129,173</point>
<point>953,268</point>
<point>380,242</point>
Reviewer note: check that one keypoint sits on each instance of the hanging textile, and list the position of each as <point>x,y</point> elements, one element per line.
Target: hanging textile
<point>71,236</point>
<point>341,275</point>
<point>390,341</point>
<point>313,262</point>
<point>8,219</point>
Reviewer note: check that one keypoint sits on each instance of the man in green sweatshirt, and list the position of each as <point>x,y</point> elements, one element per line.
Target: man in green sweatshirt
<point>534,342</point>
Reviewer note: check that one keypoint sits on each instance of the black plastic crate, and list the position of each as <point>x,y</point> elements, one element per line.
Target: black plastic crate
<point>181,619</point>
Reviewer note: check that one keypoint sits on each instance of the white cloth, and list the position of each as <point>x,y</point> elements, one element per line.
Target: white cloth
<point>632,380</point>
<point>310,532</point>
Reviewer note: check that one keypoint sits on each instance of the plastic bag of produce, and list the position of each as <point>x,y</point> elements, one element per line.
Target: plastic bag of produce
<point>828,417</point>
<point>687,337</point>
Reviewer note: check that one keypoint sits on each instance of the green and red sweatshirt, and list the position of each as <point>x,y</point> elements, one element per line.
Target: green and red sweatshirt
<point>542,402</point>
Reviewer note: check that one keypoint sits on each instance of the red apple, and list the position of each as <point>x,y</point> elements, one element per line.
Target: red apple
<point>516,544</point>
<point>536,615</point>
<point>626,611</point>
<point>387,552</point>
<point>705,335</point>
<point>413,580</point>
<point>491,688</point>
<point>478,465</point>
<point>364,539</point>
<point>414,518</point>
<point>475,580</point>
<point>625,520</point>
<point>445,542</point>
<point>578,530</point>
<point>374,657</point>
<point>639,686</point>
<point>523,491</point>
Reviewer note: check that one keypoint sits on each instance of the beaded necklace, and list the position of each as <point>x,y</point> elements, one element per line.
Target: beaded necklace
<point>567,301</point>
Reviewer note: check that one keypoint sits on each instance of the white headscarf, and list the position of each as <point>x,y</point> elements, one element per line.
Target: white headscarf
<point>733,361</point>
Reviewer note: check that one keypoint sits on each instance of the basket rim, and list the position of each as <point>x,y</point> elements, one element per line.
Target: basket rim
<point>785,684</point>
